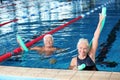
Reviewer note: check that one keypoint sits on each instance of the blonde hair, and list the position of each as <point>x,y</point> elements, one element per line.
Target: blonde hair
<point>48,35</point>
<point>83,40</point>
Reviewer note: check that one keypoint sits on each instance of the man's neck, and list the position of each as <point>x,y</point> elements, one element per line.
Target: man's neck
<point>48,46</point>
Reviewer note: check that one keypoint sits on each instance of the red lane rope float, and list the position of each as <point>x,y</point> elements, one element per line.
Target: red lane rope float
<point>14,20</point>
<point>18,50</point>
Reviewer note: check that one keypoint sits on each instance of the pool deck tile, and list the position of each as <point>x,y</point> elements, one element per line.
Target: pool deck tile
<point>58,74</point>
<point>65,74</point>
<point>101,75</point>
<point>83,75</point>
<point>115,76</point>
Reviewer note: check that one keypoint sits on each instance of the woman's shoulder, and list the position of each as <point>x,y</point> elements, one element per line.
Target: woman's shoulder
<point>74,58</point>
<point>74,61</point>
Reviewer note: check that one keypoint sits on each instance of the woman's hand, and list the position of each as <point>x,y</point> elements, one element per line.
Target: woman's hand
<point>101,17</point>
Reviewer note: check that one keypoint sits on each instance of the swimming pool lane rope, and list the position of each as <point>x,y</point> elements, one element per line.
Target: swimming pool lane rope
<point>29,44</point>
<point>14,20</point>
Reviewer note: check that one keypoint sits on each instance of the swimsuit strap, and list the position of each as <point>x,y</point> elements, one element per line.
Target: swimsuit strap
<point>88,61</point>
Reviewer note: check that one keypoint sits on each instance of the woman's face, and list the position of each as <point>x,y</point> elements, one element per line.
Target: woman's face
<point>48,42</point>
<point>83,49</point>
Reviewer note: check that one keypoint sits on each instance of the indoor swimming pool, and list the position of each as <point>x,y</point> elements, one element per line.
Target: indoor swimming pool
<point>78,18</point>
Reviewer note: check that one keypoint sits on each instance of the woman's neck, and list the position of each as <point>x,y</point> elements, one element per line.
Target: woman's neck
<point>82,56</point>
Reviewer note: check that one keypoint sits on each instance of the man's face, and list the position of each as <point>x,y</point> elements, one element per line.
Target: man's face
<point>48,42</point>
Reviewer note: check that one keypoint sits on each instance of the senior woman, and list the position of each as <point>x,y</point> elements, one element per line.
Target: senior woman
<point>86,53</point>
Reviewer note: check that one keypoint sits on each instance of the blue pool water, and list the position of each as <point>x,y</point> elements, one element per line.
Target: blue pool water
<point>38,17</point>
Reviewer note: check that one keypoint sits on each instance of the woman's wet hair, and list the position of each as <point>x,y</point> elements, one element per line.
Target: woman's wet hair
<point>83,40</point>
